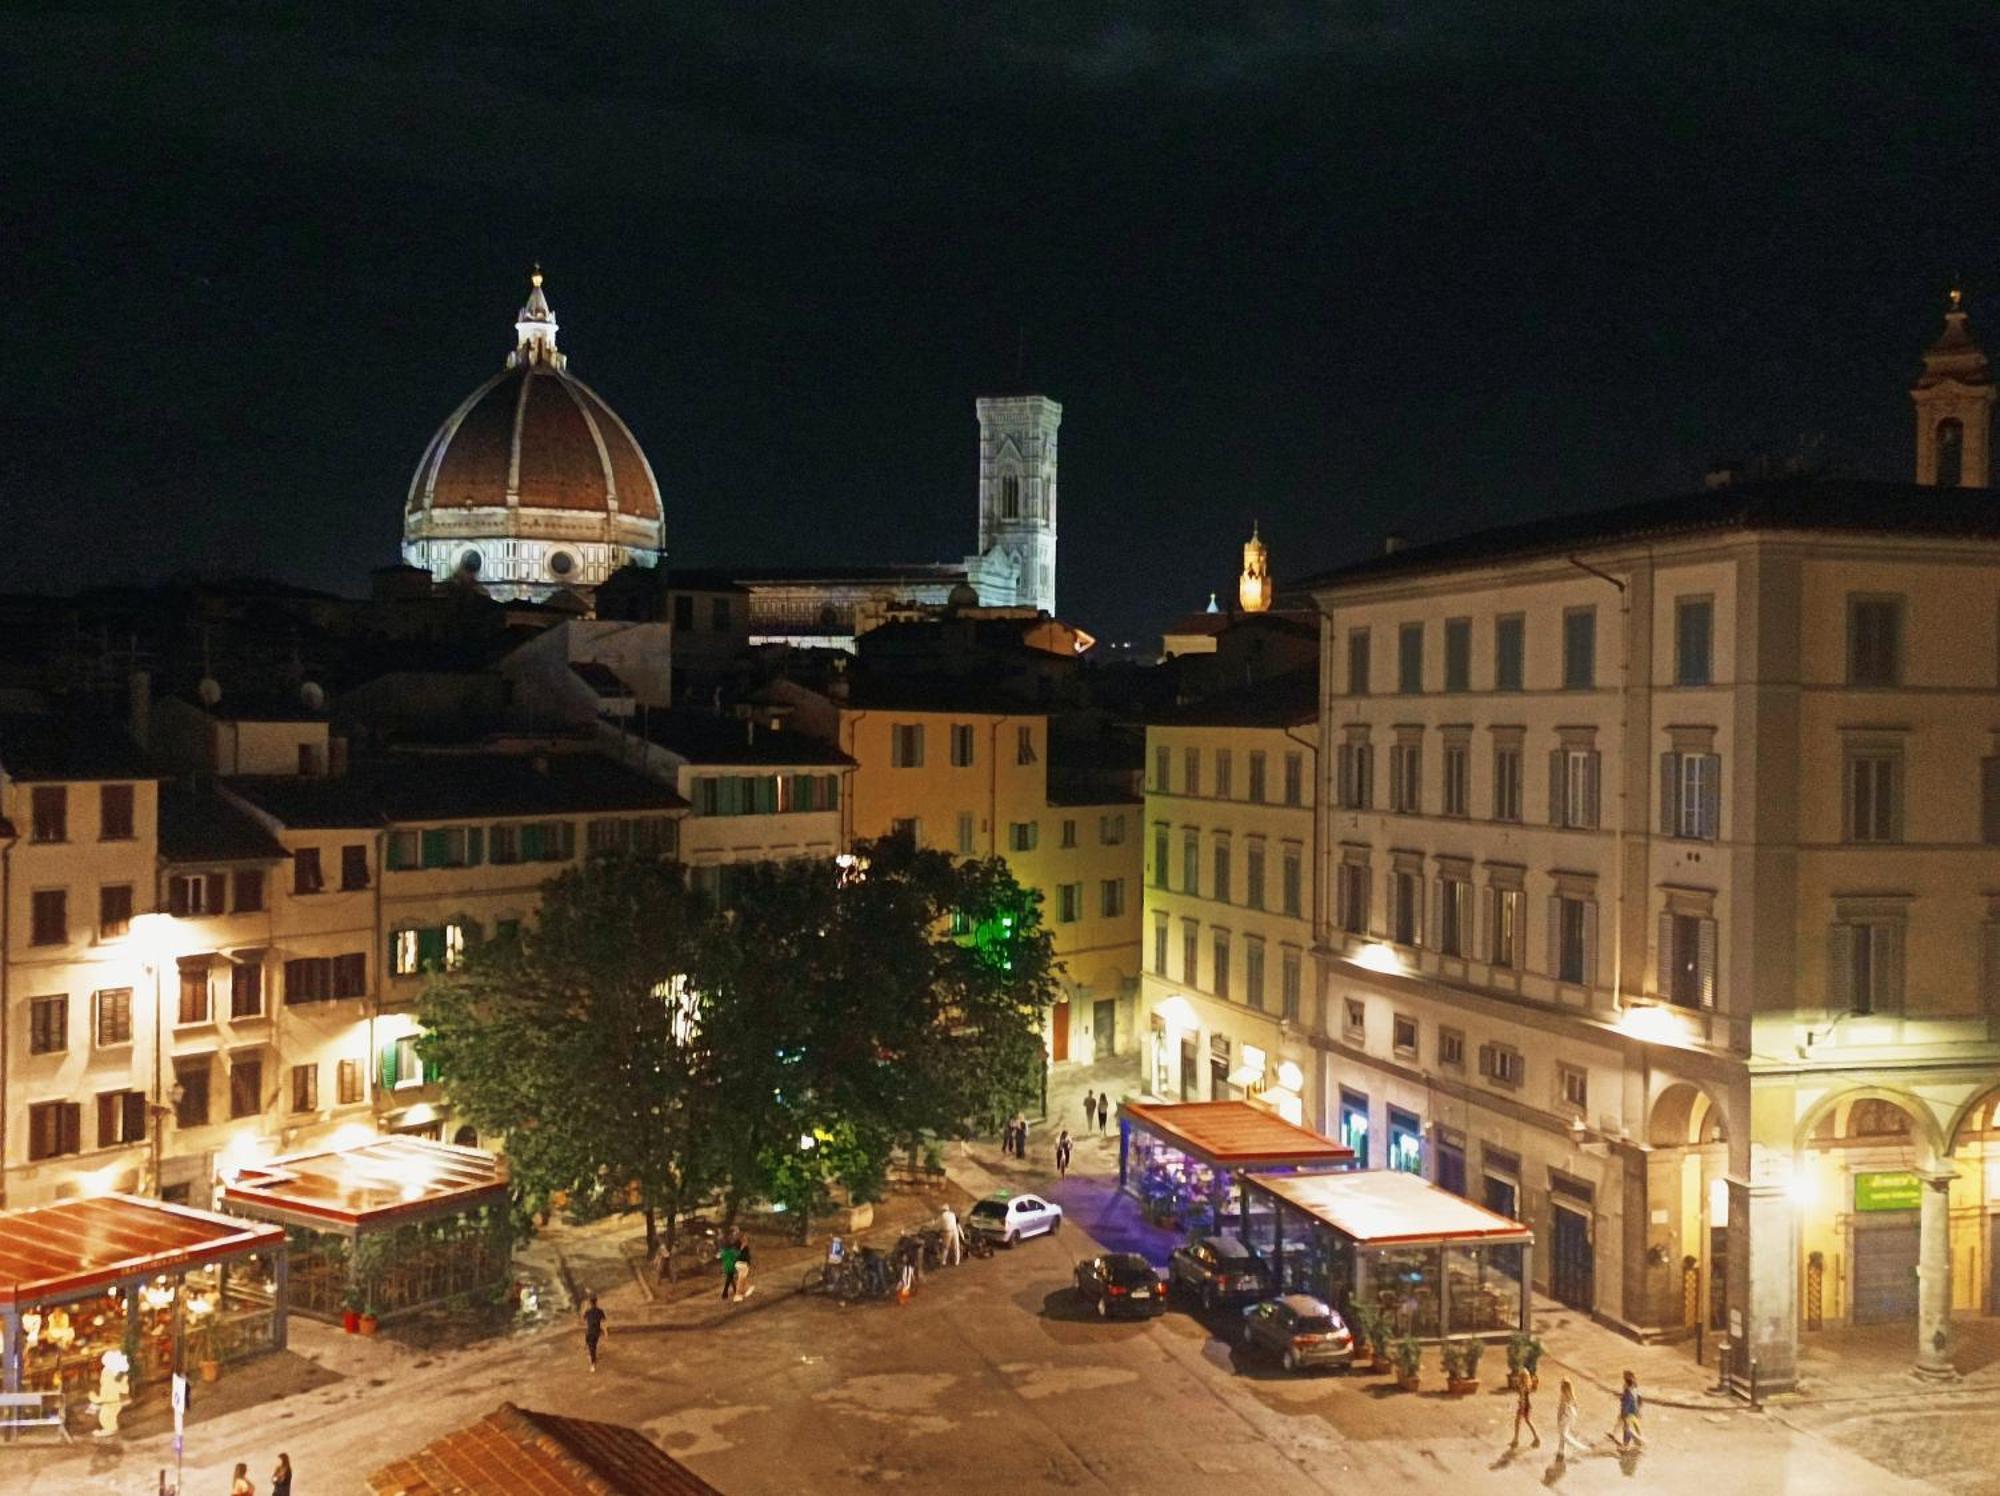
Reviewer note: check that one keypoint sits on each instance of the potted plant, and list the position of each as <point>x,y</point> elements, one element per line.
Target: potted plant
<point>1408,1356</point>
<point>1461,1366</point>
<point>1517,1358</point>
<point>201,1346</point>
<point>1531,1360</point>
<point>1365,1320</point>
<point>369,1323</point>
<point>350,1313</point>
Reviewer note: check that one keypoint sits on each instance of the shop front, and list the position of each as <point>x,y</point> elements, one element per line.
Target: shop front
<point>165,1287</point>
<point>1430,1262</point>
<point>1182,1161</point>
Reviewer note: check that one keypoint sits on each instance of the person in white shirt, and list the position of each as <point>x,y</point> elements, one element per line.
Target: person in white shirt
<point>954,1239</point>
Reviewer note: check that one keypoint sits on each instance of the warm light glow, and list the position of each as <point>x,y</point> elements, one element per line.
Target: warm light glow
<point>156,938</point>
<point>244,1150</point>
<point>1177,1011</point>
<point>352,1134</point>
<point>1718,1203</point>
<point>1803,1186</point>
<point>1376,956</point>
<point>1652,1023</point>
<point>1290,1077</point>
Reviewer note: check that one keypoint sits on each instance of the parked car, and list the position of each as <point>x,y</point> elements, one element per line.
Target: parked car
<point>1299,1330</point>
<point>1216,1268</point>
<point>1008,1218</point>
<point>1120,1283</point>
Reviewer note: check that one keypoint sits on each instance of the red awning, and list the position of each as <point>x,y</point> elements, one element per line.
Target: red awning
<point>51,1254</point>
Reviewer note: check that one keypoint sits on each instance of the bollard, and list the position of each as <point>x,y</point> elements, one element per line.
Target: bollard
<point>1721,1364</point>
<point>1698,1328</point>
<point>1755,1406</point>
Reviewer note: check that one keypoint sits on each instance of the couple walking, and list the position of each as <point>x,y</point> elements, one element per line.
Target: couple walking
<point>1096,1111</point>
<point>1624,1433</point>
<point>736,1268</point>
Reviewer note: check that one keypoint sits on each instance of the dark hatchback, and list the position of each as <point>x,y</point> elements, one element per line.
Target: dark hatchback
<point>1215,1269</point>
<point>1120,1283</point>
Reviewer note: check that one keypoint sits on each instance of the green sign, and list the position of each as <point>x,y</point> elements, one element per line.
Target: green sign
<point>1897,1191</point>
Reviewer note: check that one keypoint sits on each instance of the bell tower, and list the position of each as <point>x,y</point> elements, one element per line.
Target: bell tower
<point>1954,400</point>
<point>1253,588</point>
<point>1017,490</point>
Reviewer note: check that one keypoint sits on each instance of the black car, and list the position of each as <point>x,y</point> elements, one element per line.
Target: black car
<point>1120,1283</point>
<point>1217,1268</point>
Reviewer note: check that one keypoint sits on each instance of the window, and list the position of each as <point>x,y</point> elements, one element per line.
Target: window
<point>1190,771</point>
<point>1111,830</point>
<point>48,1025</point>
<point>1024,743</point>
<point>1160,944</point>
<point>306,875</point>
<point>1506,783</point>
<point>1160,854</point>
<point>1354,1020</point>
<point>1455,917</point>
<point>1451,1049</point>
<point>246,1087</point>
<point>55,1128</point>
<point>1190,860</point>
<point>1458,654</point>
<point>1295,779</point>
<point>1351,891</point>
<point>1510,636</point>
<point>246,989</point>
<point>1354,1124</point>
<point>190,894</point>
<point>1406,778</point>
<point>114,910</point>
<point>1509,911</point>
<point>1687,956</point>
<point>908,826</point>
<point>114,812</point>
<point>314,979</point>
<point>961,745</point>
<point>1258,788</point>
<point>1010,497</point>
<point>48,813</point>
<point>1573,952</point>
<point>1406,1141</point>
<point>113,1017</point>
<point>1190,953</point>
<point>1253,872</point>
<point>1023,836</point>
<point>1291,879</point>
<point>354,867</point>
<point>249,889</point>
<point>967,833</point>
<point>1225,773</point>
<point>311,760</point>
<point>1457,778</point>
<point>1572,1086</point>
<point>405,1065</point>
<point>1068,832</point>
<point>1502,1064</point>
<point>1573,787</point>
<point>191,1076</point>
<point>1403,1034</point>
<point>1162,761</point>
<point>1579,649</point>
<point>1867,964</point>
<point>1694,641</point>
<point>906,745</point>
<point>1111,897</point>
<point>1355,767</point>
<point>347,1081</point>
<point>1357,662</point>
<point>1405,907</point>
<point>305,1088</point>
<point>1222,890</point>
<point>1220,952</point>
<point>465,846</point>
<point>121,1118</point>
<point>1253,972</point>
<point>194,992</point>
<point>718,614</point>
<point>1410,659</point>
<point>1874,796</point>
<point>48,917</point>
<point>1874,641</point>
<point>406,847</point>
<point>1288,985</point>
<point>1069,903</point>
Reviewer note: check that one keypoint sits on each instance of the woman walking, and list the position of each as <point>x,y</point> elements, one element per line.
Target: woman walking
<point>729,1269</point>
<point>743,1285</point>
<point>1625,1432</point>
<point>1524,1414</point>
<point>1566,1416</point>
<point>1063,1147</point>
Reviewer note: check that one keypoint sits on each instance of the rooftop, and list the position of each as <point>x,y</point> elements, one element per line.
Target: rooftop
<point>1840,506</point>
<point>387,1181</point>
<point>1386,1207</point>
<point>66,744</point>
<point>704,738</point>
<point>406,787</point>
<point>199,825</point>
<point>515,1452</point>
<point>1233,1134</point>
<point>54,1253</point>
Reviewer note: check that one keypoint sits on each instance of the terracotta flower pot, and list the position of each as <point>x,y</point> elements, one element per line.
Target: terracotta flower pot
<point>350,1320</point>
<point>1461,1386</point>
<point>1408,1384</point>
<point>211,1371</point>
<point>369,1324</point>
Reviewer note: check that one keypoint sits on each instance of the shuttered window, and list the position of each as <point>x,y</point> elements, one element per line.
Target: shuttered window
<point>1865,966</point>
<point>1691,795</point>
<point>1687,960</point>
<point>1573,800</point>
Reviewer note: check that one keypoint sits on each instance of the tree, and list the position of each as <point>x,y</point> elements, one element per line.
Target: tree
<point>575,1039</point>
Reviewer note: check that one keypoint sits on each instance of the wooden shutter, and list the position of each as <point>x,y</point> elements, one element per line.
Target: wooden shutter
<point>108,1115</point>
<point>388,1061</point>
<point>1707,962</point>
<point>1840,968</point>
<point>1590,762</point>
<point>475,845</point>
<point>177,897</point>
<point>1437,914</point>
<point>1556,788</point>
<point>1889,946</point>
<point>1590,943</point>
<point>1555,936</point>
<point>134,1103</point>
<point>1667,955</point>
<point>1489,921</point>
<point>1670,791</point>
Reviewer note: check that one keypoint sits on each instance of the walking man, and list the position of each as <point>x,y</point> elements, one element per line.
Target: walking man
<point>1021,1137</point>
<point>593,1328</point>
<point>1062,1153</point>
<point>1629,1404</point>
<point>954,1239</point>
<point>1089,1111</point>
<point>729,1268</point>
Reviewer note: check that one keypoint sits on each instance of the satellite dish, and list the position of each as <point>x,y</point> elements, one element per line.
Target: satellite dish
<point>210,690</point>
<point>313,694</point>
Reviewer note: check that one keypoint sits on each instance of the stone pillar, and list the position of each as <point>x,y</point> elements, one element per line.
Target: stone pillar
<point>1763,1285</point>
<point>1444,1293</point>
<point>281,1289</point>
<point>1528,1288</point>
<point>1934,1276</point>
<point>10,1348</point>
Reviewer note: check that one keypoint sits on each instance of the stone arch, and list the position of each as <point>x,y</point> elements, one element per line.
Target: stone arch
<point>1686,1113</point>
<point>1965,1120</point>
<point>1838,1113</point>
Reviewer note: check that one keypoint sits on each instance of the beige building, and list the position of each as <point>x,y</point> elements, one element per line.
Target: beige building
<point>1660,899</point>
<point>1225,1010</point>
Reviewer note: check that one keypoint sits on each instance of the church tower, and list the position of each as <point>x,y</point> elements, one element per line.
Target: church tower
<point>1954,399</point>
<point>1253,588</point>
<point>1017,490</point>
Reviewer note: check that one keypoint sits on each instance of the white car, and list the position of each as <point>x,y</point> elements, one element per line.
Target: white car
<point>1008,1218</point>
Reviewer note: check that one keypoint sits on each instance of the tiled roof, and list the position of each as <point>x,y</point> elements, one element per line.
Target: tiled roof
<point>199,825</point>
<point>1789,504</point>
<point>515,1452</point>
<point>703,738</point>
<point>63,744</point>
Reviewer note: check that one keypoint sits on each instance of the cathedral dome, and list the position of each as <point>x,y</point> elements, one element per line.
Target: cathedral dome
<point>533,484</point>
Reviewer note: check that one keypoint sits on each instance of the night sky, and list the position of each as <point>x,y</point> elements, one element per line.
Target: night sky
<point>1345,268</point>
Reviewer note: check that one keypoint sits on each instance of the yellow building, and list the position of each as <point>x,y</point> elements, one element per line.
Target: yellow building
<point>966,773</point>
<point>1225,997</point>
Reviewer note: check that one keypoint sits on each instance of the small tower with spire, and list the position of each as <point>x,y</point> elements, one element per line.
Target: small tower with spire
<point>535,329</point>
<point>1954,399</point>
<point>1253,588</point>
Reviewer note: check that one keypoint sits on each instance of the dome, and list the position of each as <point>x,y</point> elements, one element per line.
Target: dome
<point>533,483</point>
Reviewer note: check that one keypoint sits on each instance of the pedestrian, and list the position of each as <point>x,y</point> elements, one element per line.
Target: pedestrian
<point>1062,1152</point>
<point>1626,1432</point>
<point>729,1268</point>
<point>1103,1111</point>
<point>593,1328</point>
<point>954,1238</point>
<point>1089,1111</point>
<point>744,1288</point>
<point>281,1478</point>
<point>239,1482</point>
<point>1524,1414</point>
<point>1021,1135</point>
<point>1566,1416</point>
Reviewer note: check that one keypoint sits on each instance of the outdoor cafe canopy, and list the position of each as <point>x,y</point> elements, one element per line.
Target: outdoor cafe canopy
<point>1234,1135</point>
<point>371,1186</point>
<point>1389,1208</point>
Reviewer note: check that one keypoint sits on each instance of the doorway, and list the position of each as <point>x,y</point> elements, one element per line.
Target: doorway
<point>1572,1272</point>
<point>1190,1068</point>
<point>1104,1028</point>
<point>1059,1031</point>
<point>1885,1269</point>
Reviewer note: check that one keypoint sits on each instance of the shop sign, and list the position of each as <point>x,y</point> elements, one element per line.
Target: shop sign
<point>1898,1190</point>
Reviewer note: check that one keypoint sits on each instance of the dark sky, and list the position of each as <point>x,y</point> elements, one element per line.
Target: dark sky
<point>1347,268</point>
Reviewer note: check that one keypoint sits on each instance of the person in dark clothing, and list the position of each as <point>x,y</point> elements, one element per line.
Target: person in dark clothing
<point>281,1478</point>
<point>1103,1110</point>
<point>1089,1111</point>
<point>593,1328</point>
<point>1062,1152</point>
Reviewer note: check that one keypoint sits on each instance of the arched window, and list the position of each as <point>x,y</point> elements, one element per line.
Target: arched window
<point>1010,497</point>
<point>1950,453</point>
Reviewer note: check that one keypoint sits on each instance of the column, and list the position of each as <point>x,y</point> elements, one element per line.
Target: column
<point>10,1347</point>
<point>281,1288</point>
<point>1934,1276</point>
<point>1528,1287</point>
<point>1763,1285</point>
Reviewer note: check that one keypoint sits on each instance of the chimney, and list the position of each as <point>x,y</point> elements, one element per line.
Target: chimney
<point>139,706</point>
<point>1393,543</point>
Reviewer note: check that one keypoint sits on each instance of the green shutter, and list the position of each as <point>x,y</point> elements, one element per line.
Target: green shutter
<point>389,1065</point>
<point>832,785</point>
<point>434,848</point>
<point>531,842</point>
<point>475,845</point>
<point>766,791</point>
